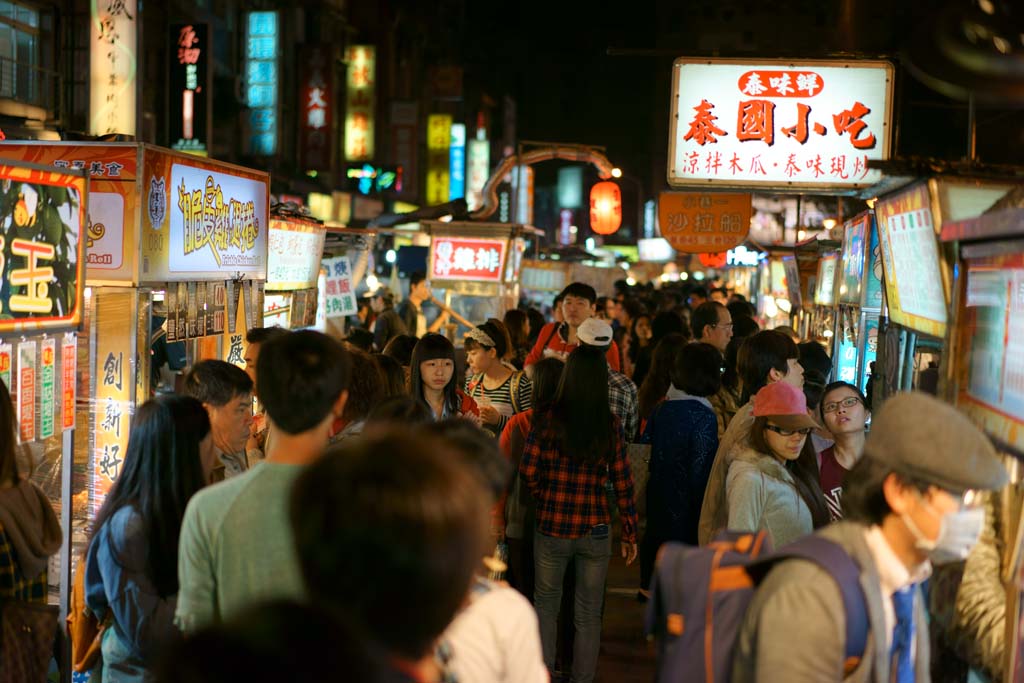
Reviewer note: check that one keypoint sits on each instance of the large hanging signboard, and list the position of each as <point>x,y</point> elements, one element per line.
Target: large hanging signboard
<point>262,40</point>
<point>439,131</point>
<point>704,222</point>
<point>316,126</point>
<point>360,103</point>
<point>112,66</point>
<point>775,123</point>
<point>910,259</point>
<point>190,100</point>
<point>467,258</point>
<point>41,251</point>
<point>294,250</point>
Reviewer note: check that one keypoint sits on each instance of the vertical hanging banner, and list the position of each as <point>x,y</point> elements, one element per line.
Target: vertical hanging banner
<point>404,143</point>
<point>6,352</point>
<point>47,394</point>
<point>188,85</point>
<point>261,48</point>
<point>68,367</point>
<point>360,99</point>
<point>112,66</point>
<point>439,135</point>
<point>316,125</point>
<point>26,391</point>
<point>479,171</point>
<point>457,165</point>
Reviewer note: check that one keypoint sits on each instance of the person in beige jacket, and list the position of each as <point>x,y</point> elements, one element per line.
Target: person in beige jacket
<point>906,502</point>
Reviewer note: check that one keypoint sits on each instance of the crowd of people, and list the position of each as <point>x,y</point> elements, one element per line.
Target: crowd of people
<point>399,510</point>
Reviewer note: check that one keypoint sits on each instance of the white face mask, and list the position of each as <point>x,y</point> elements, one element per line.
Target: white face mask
<point>958,534</point>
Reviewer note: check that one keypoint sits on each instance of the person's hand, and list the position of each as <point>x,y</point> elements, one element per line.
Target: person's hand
<point>629,552</point>
<point>489,415</point>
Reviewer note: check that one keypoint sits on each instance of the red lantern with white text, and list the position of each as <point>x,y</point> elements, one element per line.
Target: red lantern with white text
<point>605,208</point>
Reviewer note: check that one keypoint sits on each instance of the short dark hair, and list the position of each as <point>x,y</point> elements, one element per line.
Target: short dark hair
<point>744,326</point>
<point>400,348</point>
<point>360,338</point>
<point>479,451</point>
<point>720,290</point>
<point>839,385</point>
<point>259,335</point>
<point>302,374</point>
<point>741,309</point>
<point>699,291</point>
<point>634,309</point>
<point>814,388</point>
<point>216,382</point>
<point>385,295</point>
<point>581,290</point>
<point>698,369</point>
<point>765,351</point>
<point>708,313</point>
<point>813,356</point>
<point>390,530</point>
<point>416,278</point>
<point>403,410</point>
<point>863,494</point>
<point>666,323</point>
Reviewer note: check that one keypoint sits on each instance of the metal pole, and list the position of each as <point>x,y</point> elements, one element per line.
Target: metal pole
<point>972,130</point>
<point>908,363</point>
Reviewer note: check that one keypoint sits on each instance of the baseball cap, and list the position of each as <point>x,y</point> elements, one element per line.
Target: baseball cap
<point>785,405</point>
<point>594,332</point>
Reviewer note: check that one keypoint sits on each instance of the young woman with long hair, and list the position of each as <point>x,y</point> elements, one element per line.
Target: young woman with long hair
<point>659,378</point>
<point>500,391</point>
<point>131,574</point>
<point>572,450</point>
<point>773,483</point>
<point>517,323</point>
<point>432,379</point>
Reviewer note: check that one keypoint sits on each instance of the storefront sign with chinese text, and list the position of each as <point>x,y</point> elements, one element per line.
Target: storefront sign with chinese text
<point>854,255</point>
<point>778,123</point>
<point>68,368</point>
<point>6,364</point>
<point>113,66</point>
<point>189,88</point>
<point>47,394</point>
<point>316,123</point>
<point>360,102</point>
<point>294,251</point>
<point>405,144</point>
<point>439,137</point>
<point>702,222</point>
<point>261,81</point>
<point>465,258</point>
<point>41,253</point>
<point>340,296</point>
<point>26,391</point>
<point>910,257</point>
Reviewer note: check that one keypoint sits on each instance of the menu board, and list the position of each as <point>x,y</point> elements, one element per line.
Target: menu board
<point>851,272</point>
<point>991,377</point>
<point>825,293</point>
<point>910,258</point>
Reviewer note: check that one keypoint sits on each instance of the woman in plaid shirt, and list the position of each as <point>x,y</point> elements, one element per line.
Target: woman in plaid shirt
<point>572,450</point>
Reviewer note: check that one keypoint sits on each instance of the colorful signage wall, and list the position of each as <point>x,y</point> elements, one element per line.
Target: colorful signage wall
<point>316,127</point>
<point>41,250</point>
<point>701,222</point>
<point>360,102</point>
<point>261,78</point>
<point>465,258</point>
<point>113,67</point>
<point>190,101</point>
<point>910,258</point>
<point>293,254</point>
<point>779,123</point>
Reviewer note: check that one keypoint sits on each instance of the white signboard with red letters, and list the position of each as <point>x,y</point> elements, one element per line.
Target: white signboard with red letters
<point>812,124</point>
<point>467,258</point>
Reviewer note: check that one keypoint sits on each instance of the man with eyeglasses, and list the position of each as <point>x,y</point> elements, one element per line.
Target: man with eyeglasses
<point>909,502</point>
<point>712,324</point>
<point>845,415</point>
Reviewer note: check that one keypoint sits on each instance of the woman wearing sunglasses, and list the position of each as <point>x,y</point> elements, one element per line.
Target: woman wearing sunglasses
<point>845,414</point>
<point>773,482</point>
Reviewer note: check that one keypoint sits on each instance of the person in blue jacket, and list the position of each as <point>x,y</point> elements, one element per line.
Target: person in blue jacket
<point>683,433</point>
<point>131,573</point>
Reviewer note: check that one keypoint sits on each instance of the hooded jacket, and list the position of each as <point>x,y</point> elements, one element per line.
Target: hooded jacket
<point>30,526</point>
<point>761,494</point>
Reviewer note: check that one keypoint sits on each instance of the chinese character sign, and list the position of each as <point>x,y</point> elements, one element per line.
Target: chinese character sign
<point>360,102</point>
<point>439,136</point>
<point>405,143</point>
<point>458,258</point>
<point>316,116</point>
<point>112,66</point>
<point>293,254</point>
<point>339,290</point>
<point>814,124</point>
<point>457,155</point>
<point>189,88</point>
<point>26,391</point>
<point>261,77</point>
<point>40,249</point>
<point>704,222</point>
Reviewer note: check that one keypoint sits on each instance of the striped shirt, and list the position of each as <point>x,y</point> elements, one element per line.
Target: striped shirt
<point>513,396</point>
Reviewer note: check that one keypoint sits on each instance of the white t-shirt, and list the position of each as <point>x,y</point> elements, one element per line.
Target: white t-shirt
<point>496,638</point>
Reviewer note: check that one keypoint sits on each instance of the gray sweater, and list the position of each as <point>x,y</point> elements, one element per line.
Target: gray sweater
<point>761,494</point>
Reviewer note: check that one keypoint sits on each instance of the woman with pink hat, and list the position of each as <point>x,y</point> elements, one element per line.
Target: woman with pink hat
<point>772,483</point>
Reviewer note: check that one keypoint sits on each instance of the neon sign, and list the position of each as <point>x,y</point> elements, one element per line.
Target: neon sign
<point>261,81</point>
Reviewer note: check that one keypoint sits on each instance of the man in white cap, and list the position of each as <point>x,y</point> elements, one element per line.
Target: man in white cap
<point>911,500</point>
<point>621,390</point>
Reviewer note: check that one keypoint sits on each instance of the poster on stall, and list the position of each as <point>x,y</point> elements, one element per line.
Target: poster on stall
<point>873,286</point>
<point>294,252</point>
<point>846,361</point>
<point>26,391</point>
<point>793,282</point>
<point>340,299</point>
<point>68,366</point>
<point>6,354</point>
<point>910,258</point>
<point>825,293</point>
<point>870,350</point>
<point>47,390</point>
<point>851,272</point>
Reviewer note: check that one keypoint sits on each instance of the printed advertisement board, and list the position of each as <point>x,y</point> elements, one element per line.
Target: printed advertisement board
<point>851,270</point>
<point>293,254</point>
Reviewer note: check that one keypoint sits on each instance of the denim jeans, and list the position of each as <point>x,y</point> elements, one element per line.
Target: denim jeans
<point>551,557</point>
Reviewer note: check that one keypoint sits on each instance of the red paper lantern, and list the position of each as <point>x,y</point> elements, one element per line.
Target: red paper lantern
<point>605,208</point>
<point>714,260</point>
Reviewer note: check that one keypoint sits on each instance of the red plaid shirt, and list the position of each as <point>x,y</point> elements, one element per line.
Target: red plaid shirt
<point>571,498</point>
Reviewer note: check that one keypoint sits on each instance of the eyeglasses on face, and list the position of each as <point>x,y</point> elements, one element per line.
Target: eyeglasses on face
<point>724,326</point>
<point>789,432</point>
<point>848,402</point>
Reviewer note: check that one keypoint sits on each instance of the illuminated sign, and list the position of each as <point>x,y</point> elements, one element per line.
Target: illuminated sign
<point>824,294</point>
<point>360,100</point>
<point>366,179</point>
<point>457,165</point>
<point>458,258</point>
<point>655,250</point>
<point>112,66</point>
<point>741,256</point>
<point>189,88</point>
<point>479,171</point>
<point>778,123</point>
<point>704,222</point>
<point>339,293</point>
<point>851,276</point>
<point>439,131</point>
<point>293,254</point>
<point>261,46</point>
<point>404,142</point>
<point>316,128</point>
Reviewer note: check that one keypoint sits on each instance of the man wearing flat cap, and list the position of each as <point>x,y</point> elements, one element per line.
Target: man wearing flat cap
<point>910,501</point>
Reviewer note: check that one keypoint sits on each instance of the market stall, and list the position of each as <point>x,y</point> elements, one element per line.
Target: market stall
<point>42,257</point>
<point>347,259</point>
<point>295,245</point>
